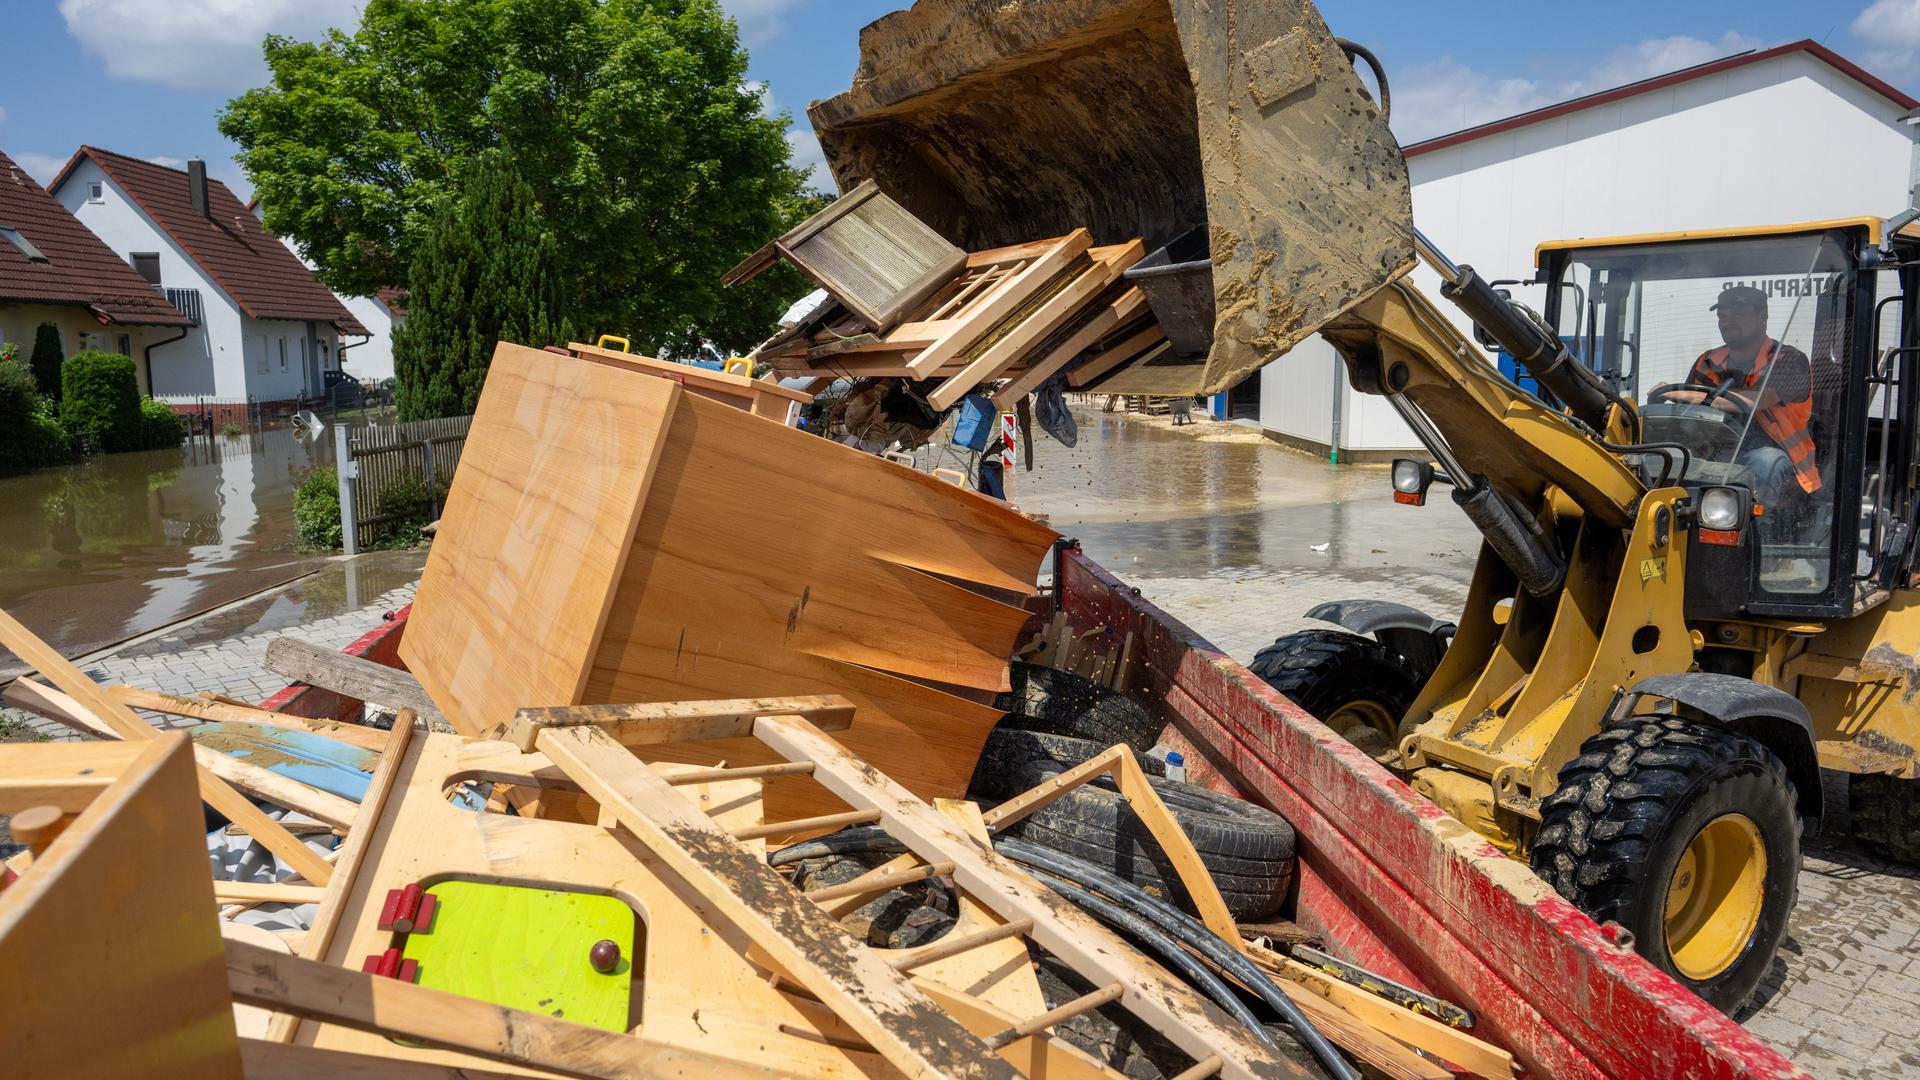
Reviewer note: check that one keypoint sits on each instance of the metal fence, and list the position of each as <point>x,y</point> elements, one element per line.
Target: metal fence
<point>375,462</point>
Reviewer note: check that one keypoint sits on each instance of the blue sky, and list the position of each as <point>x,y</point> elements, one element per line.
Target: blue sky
<point>147,77</point>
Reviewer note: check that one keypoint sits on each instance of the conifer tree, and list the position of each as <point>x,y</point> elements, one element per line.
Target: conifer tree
<point>489,273</point>
<point>47,358</point>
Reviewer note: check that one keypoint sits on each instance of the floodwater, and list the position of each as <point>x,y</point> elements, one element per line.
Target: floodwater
<point>120,544</point>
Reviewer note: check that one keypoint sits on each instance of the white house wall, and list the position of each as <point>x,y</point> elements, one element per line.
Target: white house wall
<point>204,364</point>
<point>373,358</point>
<point>276,339</point>
<point>1783,140</point>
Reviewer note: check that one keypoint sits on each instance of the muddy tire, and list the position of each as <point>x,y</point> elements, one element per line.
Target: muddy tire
<point>1062,703</point>
<point>1353,684</point>
<point>1886,816</point>
<point>1687,836</point>
<point>1248,850</point>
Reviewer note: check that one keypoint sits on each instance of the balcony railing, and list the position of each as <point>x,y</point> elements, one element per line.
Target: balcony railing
<point>187,301</point>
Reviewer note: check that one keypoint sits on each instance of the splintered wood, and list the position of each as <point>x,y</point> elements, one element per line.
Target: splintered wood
<point>612,538</point>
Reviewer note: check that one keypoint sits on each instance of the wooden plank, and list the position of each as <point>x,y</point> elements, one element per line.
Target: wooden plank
<point>352,676</point>
<point>67,775</point>
<point>83,697</point>
<point>1186,1019</point>
<point>726,382</point>
<point>1116,354</point>
<point>537,529</point>
<point>1108,263</point>
<point>221,709</point>
<point>1128,306</point>
<point>1363,1041</point>
<point>266,892</point>
<point>108,942</point>
<point>678,721</point>
<point>274,1061</point>
<point>309,989</point>
<point>352,856</point>
<point>878,1003</point>
<point>983,316</point>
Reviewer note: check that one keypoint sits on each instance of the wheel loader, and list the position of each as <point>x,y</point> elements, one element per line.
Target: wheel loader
<point>1685,607</point>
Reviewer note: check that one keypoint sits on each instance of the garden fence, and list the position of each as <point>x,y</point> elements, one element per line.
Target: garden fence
<point>376,462</point>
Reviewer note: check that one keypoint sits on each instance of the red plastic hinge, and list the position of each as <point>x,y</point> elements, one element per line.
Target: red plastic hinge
<point>399,911</point>
<point>423,918</point>
<point>386,963</point>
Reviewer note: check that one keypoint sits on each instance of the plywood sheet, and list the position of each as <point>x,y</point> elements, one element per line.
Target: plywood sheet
<point>535,533</point>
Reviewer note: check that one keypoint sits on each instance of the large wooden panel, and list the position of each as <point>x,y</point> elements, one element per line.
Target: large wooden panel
<point>764,562</point>
<point>535,533</point>
<point>110,953</point>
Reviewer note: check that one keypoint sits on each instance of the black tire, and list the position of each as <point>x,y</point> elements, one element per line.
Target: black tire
<point>1886,816</point>
<point>1247,849</point>
<point>1062,703</point>
<point>1614,836</point>
<point>1353,684</point>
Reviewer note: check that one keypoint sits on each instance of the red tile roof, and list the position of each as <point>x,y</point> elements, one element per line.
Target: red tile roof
<point>1659,82</point>
<point>247,262</point>
<point>79,269</point>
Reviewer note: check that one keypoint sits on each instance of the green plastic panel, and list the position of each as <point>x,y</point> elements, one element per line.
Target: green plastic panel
<point>527,948</point>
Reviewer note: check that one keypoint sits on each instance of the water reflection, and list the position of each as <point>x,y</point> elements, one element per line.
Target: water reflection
<point>119,544</point>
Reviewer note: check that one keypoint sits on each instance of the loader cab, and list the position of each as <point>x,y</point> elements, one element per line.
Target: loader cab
<point>1772,370</point>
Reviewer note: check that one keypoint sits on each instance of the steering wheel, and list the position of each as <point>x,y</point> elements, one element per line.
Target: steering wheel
<point>1742,409</point>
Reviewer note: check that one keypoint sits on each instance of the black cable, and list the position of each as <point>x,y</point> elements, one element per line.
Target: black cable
<point>1169,919</point>
<point>1188,930</point>
<point>1168,949</point>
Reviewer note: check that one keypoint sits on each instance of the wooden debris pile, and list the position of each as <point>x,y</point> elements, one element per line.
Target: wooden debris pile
<point>904,303</point>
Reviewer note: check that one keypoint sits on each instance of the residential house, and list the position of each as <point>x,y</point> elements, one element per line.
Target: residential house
<point>371,358</point>
<point>267,331</point>
<point>53,270</point>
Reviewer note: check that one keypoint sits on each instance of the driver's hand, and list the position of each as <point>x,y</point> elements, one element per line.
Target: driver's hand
<point>1726,404</point>
<point>1686,397</point>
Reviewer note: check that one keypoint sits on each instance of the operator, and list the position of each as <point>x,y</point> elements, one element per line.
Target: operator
<point>1768,377</point>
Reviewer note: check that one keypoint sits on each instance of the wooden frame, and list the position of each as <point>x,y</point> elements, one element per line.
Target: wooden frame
<point>1136,343</point>
<point>764,398</point>
<point>1124,308</point>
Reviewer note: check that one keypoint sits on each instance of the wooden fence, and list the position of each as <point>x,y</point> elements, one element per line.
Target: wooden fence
<point>375,462</point>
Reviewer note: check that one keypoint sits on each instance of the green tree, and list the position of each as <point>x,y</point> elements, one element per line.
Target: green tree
<point>489,273</point>
<point>47,358</point>
<point>653,159</point>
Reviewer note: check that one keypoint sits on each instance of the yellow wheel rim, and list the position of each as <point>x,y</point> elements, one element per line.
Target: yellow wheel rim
<point>1366,724</point>
<point>1715,896</point>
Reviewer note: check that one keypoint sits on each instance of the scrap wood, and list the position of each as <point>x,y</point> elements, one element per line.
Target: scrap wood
<point>1124,308</point>
<point>676,721</point>
<point>264,1060</point>
<point>219,707</point>
<point>95,703</point>
<point>999,302</point>
<point>352,676</point>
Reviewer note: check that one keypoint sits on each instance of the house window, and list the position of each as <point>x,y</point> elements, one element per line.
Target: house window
<point>96,192</point>
<point>326,362</point>
<point>12,236</point>
<point>126,344</point>
<point>283,354</point>
<point>147,265</point>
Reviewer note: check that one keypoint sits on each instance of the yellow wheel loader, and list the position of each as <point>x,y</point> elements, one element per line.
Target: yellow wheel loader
<point>1693,591</point>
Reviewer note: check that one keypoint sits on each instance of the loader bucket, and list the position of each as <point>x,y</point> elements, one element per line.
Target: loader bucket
<point>1004,121</point>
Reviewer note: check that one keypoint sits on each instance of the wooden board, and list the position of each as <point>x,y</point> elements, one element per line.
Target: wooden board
<point>765,562</point>
<point>536,530</point>
<point>108,944</point>
<point>351,676</point>
<point>1129,305</point>
<point>1134,344</point>
<point>1002,301</point>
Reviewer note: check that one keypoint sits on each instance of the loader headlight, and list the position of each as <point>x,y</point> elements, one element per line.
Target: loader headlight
<point>1720,508</point>
<point>1411,479</point>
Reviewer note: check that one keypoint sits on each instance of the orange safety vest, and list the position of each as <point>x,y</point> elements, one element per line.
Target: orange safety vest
<point>1784,422</point>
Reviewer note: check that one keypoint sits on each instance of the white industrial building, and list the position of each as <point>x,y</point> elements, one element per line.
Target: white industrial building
<point>1794,133</point>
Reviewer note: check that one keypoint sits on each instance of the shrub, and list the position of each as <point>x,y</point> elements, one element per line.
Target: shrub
<point>316,510</point>
<point>160,426</point>
<point>403,509</point>
<point>100,397</point>
<point>231,430</point>
<point>48,357</point>
<point>29,436</point>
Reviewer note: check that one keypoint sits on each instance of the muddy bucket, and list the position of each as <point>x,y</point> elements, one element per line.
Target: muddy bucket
<point>1178,283</point>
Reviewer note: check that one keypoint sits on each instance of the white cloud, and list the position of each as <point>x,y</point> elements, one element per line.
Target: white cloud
<point>167,162</point>
<point>808,155</point>
<point>197,44</point>
<point>42,167</point>
<point>1890,30</point>
<point>1446,96</point>
<point>760,20</point>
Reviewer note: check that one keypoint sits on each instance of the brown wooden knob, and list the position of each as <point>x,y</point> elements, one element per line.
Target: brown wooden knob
<point>36,826</point>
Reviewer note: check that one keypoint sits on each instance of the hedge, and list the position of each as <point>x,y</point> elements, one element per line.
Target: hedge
<point>30,437</point>
<point>160,426</point>
<point>100,397</point>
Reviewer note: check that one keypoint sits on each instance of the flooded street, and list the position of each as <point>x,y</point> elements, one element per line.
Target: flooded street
<point>120,544</point>
<point>1237,535</point>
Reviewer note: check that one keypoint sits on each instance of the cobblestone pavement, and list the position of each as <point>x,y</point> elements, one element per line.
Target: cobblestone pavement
<point>1220,526</point>
<point>223,651</point>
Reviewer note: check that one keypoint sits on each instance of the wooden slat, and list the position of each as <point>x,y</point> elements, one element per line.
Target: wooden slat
<point>744,772</point>
<point>266,892</point>
<point>886,882</point>
<point>1001,302</point>
<point>1058,310</point>
<point>1128,306</point>
<point>352,855</point>
<point>677,721</point>
<point>92,700</point>
<point>807,825</point>
<point>219,709</point>
<point>1059,1014</point>
<point>1116,354</point>
<point>1186,1019</point>
<point>351,676</point>
<point>873,999</point>
<point>264,1060</point>
<point>67,775</point>
<point>955,945</point>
